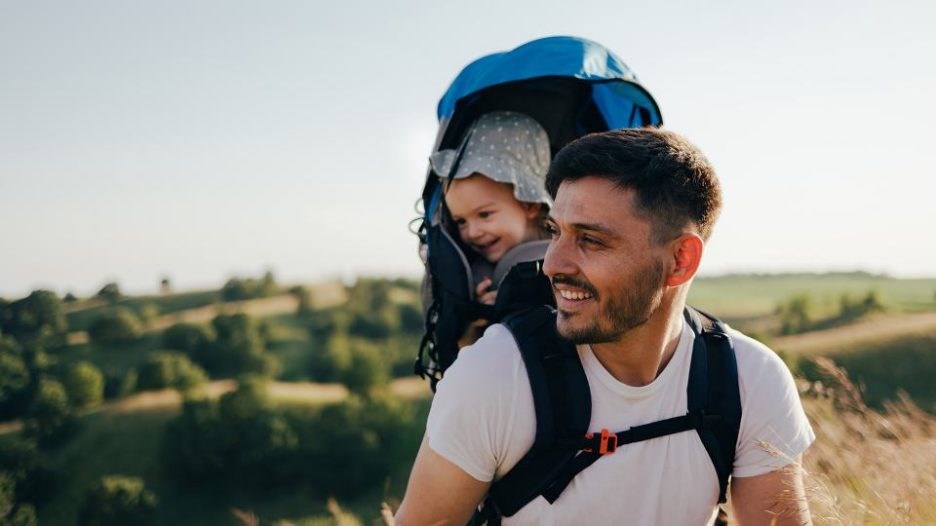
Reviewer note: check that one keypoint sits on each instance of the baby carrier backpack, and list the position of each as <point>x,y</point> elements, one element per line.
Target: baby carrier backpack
<point>571,87</point>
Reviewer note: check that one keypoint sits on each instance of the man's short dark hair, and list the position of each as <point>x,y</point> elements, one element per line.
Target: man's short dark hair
<point>673,182</point>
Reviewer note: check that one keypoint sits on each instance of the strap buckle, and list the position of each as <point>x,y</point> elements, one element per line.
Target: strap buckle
<point>607,442</point>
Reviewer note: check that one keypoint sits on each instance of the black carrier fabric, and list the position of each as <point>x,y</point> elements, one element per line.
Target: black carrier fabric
<point>562,401</point>
<point>454,306</point>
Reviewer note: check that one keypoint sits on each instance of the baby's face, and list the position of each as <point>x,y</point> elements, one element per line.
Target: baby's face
<point>490,220</point>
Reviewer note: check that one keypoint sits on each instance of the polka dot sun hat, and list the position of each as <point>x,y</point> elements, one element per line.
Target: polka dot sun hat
<point>507,147</point>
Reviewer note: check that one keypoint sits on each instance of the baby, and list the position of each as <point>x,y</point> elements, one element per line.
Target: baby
<point>496,196</point>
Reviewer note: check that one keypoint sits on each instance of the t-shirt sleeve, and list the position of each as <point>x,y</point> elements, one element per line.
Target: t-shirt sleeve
<point>469,422</point>
<point>774,427</point>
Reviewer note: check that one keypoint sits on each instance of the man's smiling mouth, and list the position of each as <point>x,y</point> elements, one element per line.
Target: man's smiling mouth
<point>573,295</point>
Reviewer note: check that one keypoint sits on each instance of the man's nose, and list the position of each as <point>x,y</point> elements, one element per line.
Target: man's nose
<point>558,260</point>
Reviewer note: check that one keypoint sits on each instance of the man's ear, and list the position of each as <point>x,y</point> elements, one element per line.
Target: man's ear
<point>686,252</point>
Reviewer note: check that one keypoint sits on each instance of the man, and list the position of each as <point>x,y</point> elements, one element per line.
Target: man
<point>632,212</point>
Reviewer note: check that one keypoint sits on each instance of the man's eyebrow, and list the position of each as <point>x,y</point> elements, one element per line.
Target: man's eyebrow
<point>589,227</point>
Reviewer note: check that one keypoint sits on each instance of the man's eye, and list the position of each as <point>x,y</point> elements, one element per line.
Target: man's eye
<point>590,241</point>
<point>550,230</point>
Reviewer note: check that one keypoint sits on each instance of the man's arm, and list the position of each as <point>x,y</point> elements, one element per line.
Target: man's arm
<point>775,496</point>
<point>439,492</point>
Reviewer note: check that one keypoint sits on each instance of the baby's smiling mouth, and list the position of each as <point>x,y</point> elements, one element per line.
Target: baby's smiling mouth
<point>484,247</point>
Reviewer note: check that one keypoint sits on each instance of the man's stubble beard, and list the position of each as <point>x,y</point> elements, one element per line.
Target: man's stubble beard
<point>628,310</point>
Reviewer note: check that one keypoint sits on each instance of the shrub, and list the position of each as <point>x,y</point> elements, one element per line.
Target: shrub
<point>14,378</point>
<point>163,370</point>
<point>189,338</point>
<point>240,438</point>
<point>237,289</point>
<point>149,313</point>
<point>118,384</point>
<point>238,348</point>
<point>368,370</point>
<point>116,500</point>
<point>118,327</point>
<point>110,293</point>
<point>28,478</point>
<point>411,319</point>
<point>84,384</point>
<point>304,296</point>
<point>795,314</point>
<point>49,415</point>
<point>333,359</point>
<point>373,325</point>
<point>851,308</point>
<point>38,317</point>
<point>380,434</point>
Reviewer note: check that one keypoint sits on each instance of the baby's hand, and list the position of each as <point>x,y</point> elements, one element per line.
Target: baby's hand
<point>485,296</point>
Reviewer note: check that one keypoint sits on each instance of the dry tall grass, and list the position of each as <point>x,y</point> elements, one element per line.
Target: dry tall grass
<point>866,466</point>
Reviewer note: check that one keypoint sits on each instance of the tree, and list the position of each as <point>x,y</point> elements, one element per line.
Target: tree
<point>165,286</point>
<point>19,368</point>
<point>795,314</point>
<point>240,438</point>
<point>237,289</point>
<point>189,338</point>
<point>116,500</point>
<point>367,372</point>
<point>119,383</point>
<point>268,285</point>
<point>169,370</point>
<point>149,313</point>
<point>14,378</point>
<point>84,384</point>
<point>411,319</point>
<point>38,317</point>
<point>49,415</point>
<point>118,327</point>
<point>110,293</point>
<point>24,479</point>
<point>304,296</point>
<point>70,298</point>
<point>238,347</point>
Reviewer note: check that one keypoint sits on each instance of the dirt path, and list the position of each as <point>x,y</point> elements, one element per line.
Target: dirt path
<point>877,329</point>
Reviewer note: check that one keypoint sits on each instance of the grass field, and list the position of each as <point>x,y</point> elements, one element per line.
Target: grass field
<point>124,438</point>
<point>885,353</point>
<point>748,296</point>
<point>80,319</point>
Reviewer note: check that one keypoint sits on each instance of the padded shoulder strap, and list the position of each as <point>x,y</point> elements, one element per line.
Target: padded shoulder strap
<point>713,389</point>
<point>562,402</point>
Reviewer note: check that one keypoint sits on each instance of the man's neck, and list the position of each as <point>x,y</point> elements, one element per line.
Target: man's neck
<point>643,352</point>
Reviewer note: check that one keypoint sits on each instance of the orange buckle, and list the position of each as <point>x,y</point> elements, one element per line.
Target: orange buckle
<point>607,442</point>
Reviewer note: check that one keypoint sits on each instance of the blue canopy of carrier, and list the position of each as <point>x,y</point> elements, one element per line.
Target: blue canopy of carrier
<point>615,88</point>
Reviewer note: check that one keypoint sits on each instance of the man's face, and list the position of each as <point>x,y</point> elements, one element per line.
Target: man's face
<point>606,274</point>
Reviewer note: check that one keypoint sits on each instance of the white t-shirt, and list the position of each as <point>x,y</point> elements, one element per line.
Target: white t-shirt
<point>483,420</point>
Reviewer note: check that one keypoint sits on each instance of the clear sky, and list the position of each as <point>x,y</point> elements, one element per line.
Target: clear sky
<point>200,140</point>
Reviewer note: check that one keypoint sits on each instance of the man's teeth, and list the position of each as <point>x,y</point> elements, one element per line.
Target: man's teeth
<point>570,295</point>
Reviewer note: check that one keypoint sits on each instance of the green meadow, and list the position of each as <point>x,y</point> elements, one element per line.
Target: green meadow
<point>298,404</point>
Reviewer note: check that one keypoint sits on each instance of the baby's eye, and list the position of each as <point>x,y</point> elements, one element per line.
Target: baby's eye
<point>486,214</point>
<point>461,223</point>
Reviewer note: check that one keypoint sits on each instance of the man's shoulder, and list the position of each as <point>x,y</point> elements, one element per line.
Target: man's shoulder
<point>754,357</point>
<point>491,361</point>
